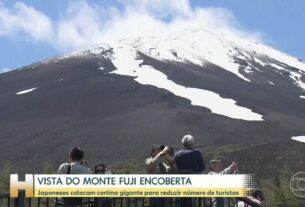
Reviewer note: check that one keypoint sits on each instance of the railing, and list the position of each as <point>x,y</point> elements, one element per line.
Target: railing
<point>21,201</point>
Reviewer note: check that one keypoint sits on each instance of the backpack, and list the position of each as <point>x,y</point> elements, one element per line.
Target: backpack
<point>72,202</point>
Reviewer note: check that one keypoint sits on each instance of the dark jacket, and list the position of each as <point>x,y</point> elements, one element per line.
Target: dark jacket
<point>189,161</point>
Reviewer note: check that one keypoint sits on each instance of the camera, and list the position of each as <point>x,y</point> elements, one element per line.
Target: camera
<point>171,150</point>
<point>84,162</point>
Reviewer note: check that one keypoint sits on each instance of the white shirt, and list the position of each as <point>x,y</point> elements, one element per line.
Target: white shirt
<point>228,170</point>
<point>76,168</point>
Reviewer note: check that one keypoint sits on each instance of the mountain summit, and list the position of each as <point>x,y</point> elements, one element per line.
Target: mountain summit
<point>250,61</point>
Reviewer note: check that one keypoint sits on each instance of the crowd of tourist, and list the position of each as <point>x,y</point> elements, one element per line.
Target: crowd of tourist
<point>162,160</point>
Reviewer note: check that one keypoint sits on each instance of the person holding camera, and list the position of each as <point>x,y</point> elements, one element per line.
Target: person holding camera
<point>216,167</point>
<point>76,165</point>
<point>161,160</point>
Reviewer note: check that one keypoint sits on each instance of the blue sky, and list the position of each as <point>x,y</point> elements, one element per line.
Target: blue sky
<point>32,30</point>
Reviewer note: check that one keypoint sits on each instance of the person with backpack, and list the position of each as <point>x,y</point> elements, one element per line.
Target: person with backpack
<point>76,165</point>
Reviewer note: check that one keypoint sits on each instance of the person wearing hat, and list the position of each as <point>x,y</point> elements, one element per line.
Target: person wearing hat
<point>161,161</point>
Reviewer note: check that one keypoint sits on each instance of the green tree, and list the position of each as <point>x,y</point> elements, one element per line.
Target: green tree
<point>48,168</point>
<point>5,172</point>
<point>278,193</point>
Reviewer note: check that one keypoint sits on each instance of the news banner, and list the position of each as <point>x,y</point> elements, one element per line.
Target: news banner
<point>137,185</point>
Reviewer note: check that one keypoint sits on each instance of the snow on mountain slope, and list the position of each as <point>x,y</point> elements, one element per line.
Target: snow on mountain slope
<point>201,47</point>
<point>197,47</point>
<point>126,61</point>
<point>26,91</point>
<point>299,138</point>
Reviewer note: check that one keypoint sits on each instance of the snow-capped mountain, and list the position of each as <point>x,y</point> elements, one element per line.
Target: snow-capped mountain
<point>132,93</point>
<point>201,47</point>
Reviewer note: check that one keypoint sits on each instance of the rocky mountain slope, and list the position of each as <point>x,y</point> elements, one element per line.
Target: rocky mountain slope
<point>116,100</point>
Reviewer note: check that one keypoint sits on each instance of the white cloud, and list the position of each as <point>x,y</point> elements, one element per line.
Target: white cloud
<point>160,8</point>
<point>25,20</point>
<point>80,27</point>
<point>86,24</point>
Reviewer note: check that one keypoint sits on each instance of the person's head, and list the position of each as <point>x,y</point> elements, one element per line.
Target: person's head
<point>258,195</point>
<point>188,141</point>
<point>100,169</point>
<point>76,154</point>
<point>155,149</point>
<point>216,166</point>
